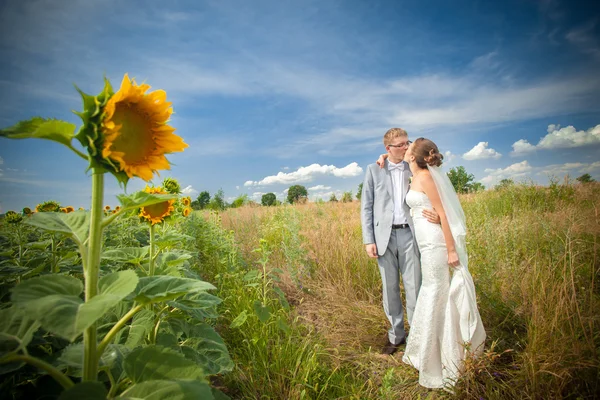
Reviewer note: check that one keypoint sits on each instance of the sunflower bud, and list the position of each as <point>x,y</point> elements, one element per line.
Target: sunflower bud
<point>171,185</point>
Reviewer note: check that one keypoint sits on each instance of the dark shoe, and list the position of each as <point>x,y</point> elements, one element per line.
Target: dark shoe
<point>391,348</point>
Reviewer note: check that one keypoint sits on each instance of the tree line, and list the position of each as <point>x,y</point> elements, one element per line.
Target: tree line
<point>462,181</point>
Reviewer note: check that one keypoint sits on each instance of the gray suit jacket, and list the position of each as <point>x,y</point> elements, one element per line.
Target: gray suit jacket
<point>377,206</point>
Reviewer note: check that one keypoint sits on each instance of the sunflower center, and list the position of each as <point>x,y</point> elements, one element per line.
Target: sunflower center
<point>135,138</point>
<point>157,210</point>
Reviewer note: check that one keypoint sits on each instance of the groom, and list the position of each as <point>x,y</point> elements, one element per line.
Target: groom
<point>388,233</point>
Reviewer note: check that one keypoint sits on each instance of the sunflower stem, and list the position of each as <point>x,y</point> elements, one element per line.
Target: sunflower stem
<point>58,376</point>
<point>151,264</point>
<point>91,273</point>
<point>79,153</point>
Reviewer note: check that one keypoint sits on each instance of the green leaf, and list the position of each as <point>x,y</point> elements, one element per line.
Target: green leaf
<point>16,328</point>
<point>141,325</point>
<point>218,395</point>
<point>15,334</point>
<point>282,298</point>
<point>155,362</point>
<point>239,320</point>
<point>85,390</point>
<point>170,238</point>
<point>173,258</point>
<point>133,255</point>
<point>168,390</point>
<point>76,224</point>
<point>112,358</point>
<point>209,350</point>
<point>34,288</point>
<point>251,275</point>
<point>198,306</point>
<point>154,289</point>
<point>54,301</point>
<point>41,128</point>
<point>263,312</point>
<point>142,199</point>
<point>118,283</point>
<point>281,324</point>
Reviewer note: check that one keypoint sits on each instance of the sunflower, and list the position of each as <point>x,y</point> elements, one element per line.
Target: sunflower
<point>156,213</point>
<point>70,209</point>
<point>48,206</point>
<point>136,134</point>
<point>106,208</point>
<point>118,208</point>
<point>63,210</point>
<point>12,217</point>
<point>187,211</point>
<point>81,209</point>
<point>27,211</point>
<point>186,201</point>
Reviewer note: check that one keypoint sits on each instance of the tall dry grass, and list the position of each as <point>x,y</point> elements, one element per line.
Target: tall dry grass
<point>533,256</point>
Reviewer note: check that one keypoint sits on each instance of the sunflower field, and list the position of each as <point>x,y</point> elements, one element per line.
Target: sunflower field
<point>108,302</point>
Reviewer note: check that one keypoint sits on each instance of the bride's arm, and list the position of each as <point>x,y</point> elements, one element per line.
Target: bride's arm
<point>431,191</point>
<point>381,160</point>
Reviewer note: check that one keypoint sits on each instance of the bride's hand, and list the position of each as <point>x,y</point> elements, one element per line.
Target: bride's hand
<point>381,160</point>
<point>453,260</point>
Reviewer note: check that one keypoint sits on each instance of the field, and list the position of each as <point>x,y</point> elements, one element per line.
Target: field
<point>301,313</point>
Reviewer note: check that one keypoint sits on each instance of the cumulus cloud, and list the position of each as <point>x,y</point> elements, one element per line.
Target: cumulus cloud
<point>560,138</point>
<point>448,156</point>
<point>307,174</point>
<point>319,188</point>
<point>481,152</point>
<point>517,170</point>
<point>189,190</point>
<point>572,168</point>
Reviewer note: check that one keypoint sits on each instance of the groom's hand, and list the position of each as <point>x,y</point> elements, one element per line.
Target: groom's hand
<point>432,216</point>
<point>371,250</point>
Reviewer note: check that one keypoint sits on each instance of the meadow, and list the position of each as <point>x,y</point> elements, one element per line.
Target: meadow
<point>295,312</point>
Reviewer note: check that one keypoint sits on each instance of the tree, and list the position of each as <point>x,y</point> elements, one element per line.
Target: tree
<point>586,178</point>
<point>268,199</point>
<point>332,198</point>
<point>240,201</point>
<point>359,191</point>
<point>347,197</point>
<point>203,199</point>
<point>477,186</point>
<point>461,180</point>
<point>218,201</point>
<point>297,193</point>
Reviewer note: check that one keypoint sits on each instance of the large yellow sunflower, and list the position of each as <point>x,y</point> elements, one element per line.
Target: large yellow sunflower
<point>156,213</point>
<point>136,134</point>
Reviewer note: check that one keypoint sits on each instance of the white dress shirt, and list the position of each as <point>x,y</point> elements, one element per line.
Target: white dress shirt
<point>397,171</point>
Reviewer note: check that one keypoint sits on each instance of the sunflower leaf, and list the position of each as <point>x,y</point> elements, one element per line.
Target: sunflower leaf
<point>143,199</point>
<point>157,362</point>
<point>168,389</point>
<point>153,289</point>
<point>76,224</point>
<point>41,128</point>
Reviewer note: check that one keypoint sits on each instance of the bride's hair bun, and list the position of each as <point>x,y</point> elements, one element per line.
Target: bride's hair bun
<point>426,153</point>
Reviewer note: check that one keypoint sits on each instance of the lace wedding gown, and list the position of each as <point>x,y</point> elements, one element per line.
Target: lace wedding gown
<point>445,316</point>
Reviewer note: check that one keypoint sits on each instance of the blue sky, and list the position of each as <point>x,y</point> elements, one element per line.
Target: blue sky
<point>274,93</point>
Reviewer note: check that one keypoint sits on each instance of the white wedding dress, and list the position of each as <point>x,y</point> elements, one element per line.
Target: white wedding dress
<point>446,323</point>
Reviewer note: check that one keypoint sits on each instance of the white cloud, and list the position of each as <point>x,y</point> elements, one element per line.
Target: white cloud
<point>517,170</point>
<point>560,138</point>
<point>522,146</point>
<point>481,152</point>
<point>571,168</point>
<point>189,190</point>
<point>319,188</point>
<point>307,174</point>
<point>448,156</point>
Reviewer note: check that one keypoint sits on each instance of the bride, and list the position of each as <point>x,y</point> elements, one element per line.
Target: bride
<point>446,324</point>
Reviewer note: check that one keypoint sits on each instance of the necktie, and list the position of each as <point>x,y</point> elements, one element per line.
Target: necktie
<point>399,167</point>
